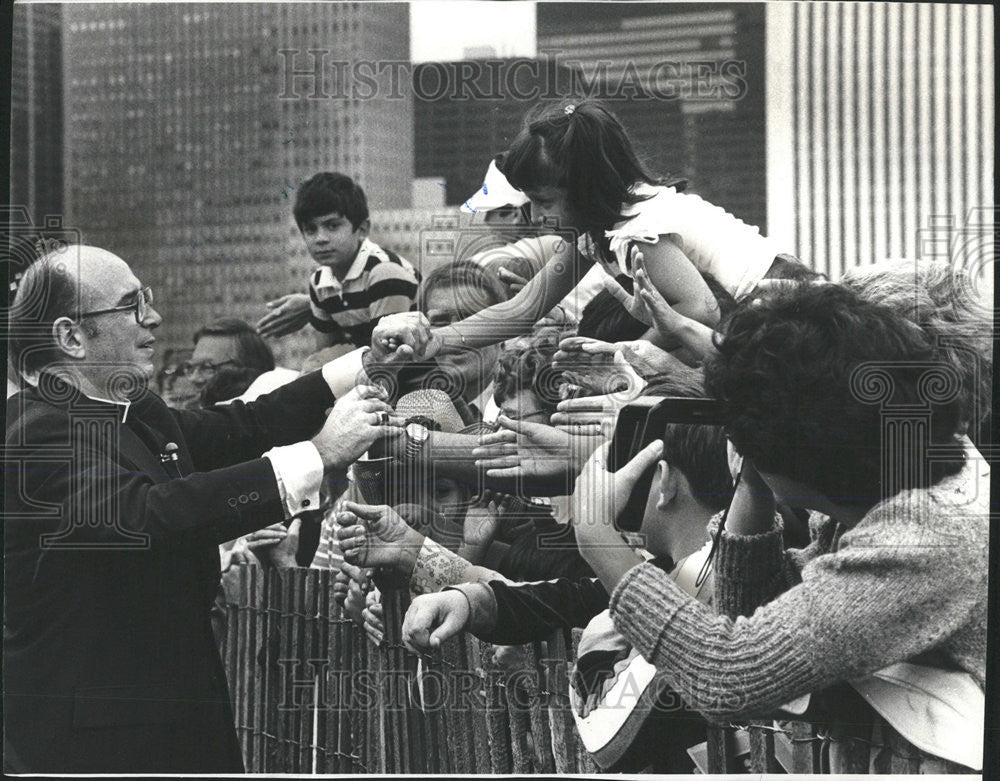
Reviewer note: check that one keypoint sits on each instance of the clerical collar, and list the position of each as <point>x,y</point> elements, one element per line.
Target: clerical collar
<point>32,380</point>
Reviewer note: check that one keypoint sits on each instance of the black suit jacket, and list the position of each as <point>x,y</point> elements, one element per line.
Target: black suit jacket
<point>111,568</point>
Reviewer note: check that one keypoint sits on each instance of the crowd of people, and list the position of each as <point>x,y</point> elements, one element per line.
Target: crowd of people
<point>456,426</point>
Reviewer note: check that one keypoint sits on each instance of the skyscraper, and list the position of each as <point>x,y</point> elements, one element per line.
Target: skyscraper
<point>36,111</point>
<point>685,79</point>
<point>467,111</point>
<point>189,126</point>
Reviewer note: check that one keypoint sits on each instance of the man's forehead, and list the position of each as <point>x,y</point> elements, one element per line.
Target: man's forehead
<point>104,277</point>
<point>327,217</point>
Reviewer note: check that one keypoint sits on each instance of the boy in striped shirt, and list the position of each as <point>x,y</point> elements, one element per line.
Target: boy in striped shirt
<point>357,281</point>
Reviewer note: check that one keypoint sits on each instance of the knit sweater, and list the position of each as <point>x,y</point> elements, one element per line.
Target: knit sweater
<point>909,580</point>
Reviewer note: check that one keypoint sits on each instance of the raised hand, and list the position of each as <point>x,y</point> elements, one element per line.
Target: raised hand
<point>357,420</point>
<point>596,368</point>
<point>646,358</point>
<point>288,314</point>
<point>270,544</point>
<point>482,520</point>
<point>600,495</point>
<point>433,618</point>
<point>535,451</point>
<point>375,536</point>
<point>672,326</point>
<point>589,415</point>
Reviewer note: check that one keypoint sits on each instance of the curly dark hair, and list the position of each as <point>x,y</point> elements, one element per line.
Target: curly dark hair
<point>805,368</point>
<point>526,364</point>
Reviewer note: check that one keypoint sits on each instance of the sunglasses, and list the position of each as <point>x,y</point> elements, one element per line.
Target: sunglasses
<point>139,307</point>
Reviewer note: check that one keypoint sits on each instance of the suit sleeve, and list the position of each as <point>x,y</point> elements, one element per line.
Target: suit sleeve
<point>94,497</point>
<point>229,434</point>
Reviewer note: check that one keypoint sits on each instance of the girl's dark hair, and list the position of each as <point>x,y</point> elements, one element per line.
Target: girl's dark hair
<point>585,150</point>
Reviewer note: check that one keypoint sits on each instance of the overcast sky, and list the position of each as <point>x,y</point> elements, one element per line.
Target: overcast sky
<point>443,29</point>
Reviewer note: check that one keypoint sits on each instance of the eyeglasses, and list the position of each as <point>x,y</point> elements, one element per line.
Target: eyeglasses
<point>204,367</point>
<point>142,300</point>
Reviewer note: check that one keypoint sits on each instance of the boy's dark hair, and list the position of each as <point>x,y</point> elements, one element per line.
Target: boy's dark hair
<point>606,319</point>
<point>325,193</point>
<point>788,365</point>
<point>699,452</point>
<point>583,148</point>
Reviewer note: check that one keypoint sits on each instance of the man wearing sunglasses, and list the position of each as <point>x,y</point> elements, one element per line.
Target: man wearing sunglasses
<point>114,508</point>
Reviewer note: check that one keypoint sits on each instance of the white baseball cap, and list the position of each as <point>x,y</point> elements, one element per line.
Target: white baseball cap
<point>495,192</point>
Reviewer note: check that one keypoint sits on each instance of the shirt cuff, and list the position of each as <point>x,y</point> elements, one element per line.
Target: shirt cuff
<point>298,469</point>
<point>343,373</point>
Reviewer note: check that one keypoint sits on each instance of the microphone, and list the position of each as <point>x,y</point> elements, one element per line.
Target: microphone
<point>169,459</point>
<point>434,405</point>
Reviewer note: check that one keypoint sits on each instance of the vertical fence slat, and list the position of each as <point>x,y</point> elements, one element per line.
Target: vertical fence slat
<point>324,694</point>
<point>309,668</point>
<point>244,680</point>
<point>497,714</point>
<point>541,736</point>
<point>272,672</point>
<point>474,703</point>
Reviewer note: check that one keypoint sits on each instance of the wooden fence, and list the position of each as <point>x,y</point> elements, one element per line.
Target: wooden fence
<point>311,694</point>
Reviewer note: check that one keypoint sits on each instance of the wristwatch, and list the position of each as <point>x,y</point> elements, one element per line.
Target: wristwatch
<point>417,435</point>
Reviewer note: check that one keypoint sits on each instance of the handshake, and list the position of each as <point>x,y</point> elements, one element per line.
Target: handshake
<point>356,421</point>
<point>404,336</point>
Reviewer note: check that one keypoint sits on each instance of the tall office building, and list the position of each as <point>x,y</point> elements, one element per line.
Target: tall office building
<point>36,112</point>
<point>686,80</point>
<point>881,133</point>
<point>189,126</point>
<point>467,111</point>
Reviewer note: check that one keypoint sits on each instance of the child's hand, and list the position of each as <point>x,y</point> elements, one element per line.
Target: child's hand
<point>288,314</point>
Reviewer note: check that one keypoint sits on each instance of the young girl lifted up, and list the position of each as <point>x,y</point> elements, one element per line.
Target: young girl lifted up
<point>576,165</point>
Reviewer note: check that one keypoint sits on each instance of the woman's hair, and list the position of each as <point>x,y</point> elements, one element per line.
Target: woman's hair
<point>479,289</point>
<point>806,370</point>
<point>584,149</point>
<point>941,300</point>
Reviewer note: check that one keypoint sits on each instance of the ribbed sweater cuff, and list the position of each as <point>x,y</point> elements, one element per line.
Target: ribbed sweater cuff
<point>748,570</point>
<point>643,604</point>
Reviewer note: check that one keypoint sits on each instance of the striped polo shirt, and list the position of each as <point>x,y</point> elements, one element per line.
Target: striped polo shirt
<point>379,282</point>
